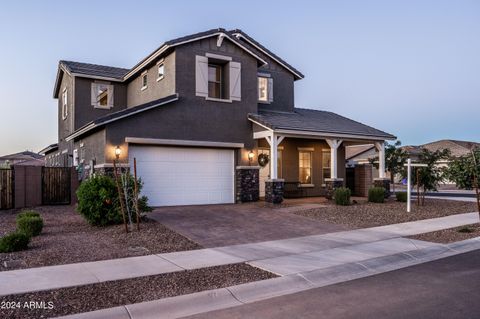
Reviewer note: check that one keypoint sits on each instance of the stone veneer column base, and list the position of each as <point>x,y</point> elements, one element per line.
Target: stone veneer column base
<point>247,181</point>
<point>383,182</point>
<point>331,184</point>
<point>274,191</point>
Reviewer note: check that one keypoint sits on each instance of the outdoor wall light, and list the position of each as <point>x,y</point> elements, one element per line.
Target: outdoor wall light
<point>118,151</point>
<point>250,157</point>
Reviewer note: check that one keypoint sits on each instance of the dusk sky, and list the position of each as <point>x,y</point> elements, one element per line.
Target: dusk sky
<point>411,68</point>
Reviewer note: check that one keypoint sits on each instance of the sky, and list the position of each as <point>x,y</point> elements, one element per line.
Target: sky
<point>411,68</point>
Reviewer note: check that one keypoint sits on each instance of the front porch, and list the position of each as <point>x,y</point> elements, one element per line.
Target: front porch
<point>304,159</point>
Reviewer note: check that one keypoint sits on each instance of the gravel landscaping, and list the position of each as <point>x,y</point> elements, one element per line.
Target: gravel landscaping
<point>116,293</point>
<point>450,235</point>
<point>363,214</point>
<point>68,238</point>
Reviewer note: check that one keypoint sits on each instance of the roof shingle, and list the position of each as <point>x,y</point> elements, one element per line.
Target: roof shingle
<point>316,121</point>
<point>95,69</point>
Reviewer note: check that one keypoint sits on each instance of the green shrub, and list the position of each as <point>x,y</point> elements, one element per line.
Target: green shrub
<point>342,196</point>
<point>376,194</point>
<point>31,226</point>
<point>401,197</point>
<point>28,213</point>
<point>97,201</point>
<point>14,242</point>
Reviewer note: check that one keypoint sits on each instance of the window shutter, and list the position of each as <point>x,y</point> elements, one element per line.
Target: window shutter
<point>94,94</point>
<point>75,157</point>
<point>270,90</point>
<point>201,76</point>
<point>110,96</point>
<point>235,81</point>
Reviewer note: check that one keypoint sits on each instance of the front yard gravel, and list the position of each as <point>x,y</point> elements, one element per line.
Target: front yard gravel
<point>67,238</point>
<point>116,293</point>
<point>364,214</point>
<point>450,235</point>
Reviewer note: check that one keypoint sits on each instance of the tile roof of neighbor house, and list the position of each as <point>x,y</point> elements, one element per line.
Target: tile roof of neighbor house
<point>316,121</point>
<point>25,155</point>
<point>356,150</point>
<point>457,148</point>
<point>49,148</point>
<point>121,114</point>
<point>95,69</point>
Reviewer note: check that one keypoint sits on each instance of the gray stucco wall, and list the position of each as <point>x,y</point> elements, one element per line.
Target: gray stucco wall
<point>65,126</point>
<point>93,147</point>
<point>155,89</point>
<point>283,87</point>
<point>84,110</point>
<point>192,117</point>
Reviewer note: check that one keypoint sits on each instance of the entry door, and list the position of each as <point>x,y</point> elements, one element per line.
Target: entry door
<point>265,171</point>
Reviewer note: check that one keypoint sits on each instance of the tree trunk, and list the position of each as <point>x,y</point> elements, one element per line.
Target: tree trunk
<point>392,181</point>
<point>475,184</point>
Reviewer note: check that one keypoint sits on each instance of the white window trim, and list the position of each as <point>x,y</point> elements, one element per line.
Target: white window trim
<point>306,150</point>
<point>218,100</point>
<point>64,105</point>
<point>161,62</point>
<point>144,87</point>
<point>266,76</point>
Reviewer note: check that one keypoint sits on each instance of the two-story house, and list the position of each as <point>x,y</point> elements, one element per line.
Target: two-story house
<point>193,113</point>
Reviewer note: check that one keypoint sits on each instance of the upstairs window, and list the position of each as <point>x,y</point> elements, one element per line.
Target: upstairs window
<point>102,95</point>
<point>161,71</point>
<point>216,81</point>
<point>144,81</point>
<point>218,78</point>
<point>64,104</point>
<point>265,89</point>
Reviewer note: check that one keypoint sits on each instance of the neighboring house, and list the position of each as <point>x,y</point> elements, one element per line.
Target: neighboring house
<point>361,155</point>
<point>26,158</point>
<point>195,110</point>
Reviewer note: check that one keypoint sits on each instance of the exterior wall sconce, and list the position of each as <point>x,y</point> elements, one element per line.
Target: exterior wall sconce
<point>118,151</point>
<point>250,157</point>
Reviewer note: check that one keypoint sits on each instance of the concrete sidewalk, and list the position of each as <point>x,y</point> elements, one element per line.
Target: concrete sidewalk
<point>288,256</point>
<point>206,301</point>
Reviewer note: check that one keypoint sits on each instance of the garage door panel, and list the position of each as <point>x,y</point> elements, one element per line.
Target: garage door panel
<point>185,176</point>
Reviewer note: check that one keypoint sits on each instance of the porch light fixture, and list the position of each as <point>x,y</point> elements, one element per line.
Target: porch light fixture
<point>118,151</point>
<point>250,157</point>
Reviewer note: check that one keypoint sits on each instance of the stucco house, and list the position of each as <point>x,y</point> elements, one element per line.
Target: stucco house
<point>25,158</point>
<point>200,114</point>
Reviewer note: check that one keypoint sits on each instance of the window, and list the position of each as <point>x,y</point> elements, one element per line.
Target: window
<point>216,81</point>
<point>102,95</point>
<point>161,71</point>
<point>305,167</point>
<point>326,164</point>
<point>64,104</point>
<point>262,89</point>
<point>144,81</point>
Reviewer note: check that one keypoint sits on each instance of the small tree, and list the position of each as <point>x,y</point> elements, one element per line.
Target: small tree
<point>395,158</point>
<point>431,176</point>
<point>465,172</point>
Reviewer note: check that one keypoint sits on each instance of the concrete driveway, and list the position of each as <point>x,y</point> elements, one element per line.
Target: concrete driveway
<point>222,225</point>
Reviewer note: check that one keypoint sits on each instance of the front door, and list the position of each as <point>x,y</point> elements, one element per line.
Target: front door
<point>265,171</point>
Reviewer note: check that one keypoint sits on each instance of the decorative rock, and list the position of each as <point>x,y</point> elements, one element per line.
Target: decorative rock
<point>331,184</point>
<point>274,191</point>
<point>247,180</point>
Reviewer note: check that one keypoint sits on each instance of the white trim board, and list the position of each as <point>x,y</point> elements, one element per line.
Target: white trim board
<point>156,141</point>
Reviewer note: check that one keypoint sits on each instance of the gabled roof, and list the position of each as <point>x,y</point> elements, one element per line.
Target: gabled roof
<point>352,151</point>
<point>257,46</point>
<point>308,120</point>
<point>457,148</point>
<point>25,155</point>
<point>108,73</point>
<point>49,148</point>
<point>115,116</point>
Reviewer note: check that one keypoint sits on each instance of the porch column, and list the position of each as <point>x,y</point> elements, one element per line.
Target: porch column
<point>334,144</point>
<point>274,140</point>
<point>380,146</point>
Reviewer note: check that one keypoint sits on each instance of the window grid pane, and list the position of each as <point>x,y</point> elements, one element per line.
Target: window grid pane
<point>305,167</point>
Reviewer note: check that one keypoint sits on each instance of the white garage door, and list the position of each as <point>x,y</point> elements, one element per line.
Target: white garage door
<point>184,176</point>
